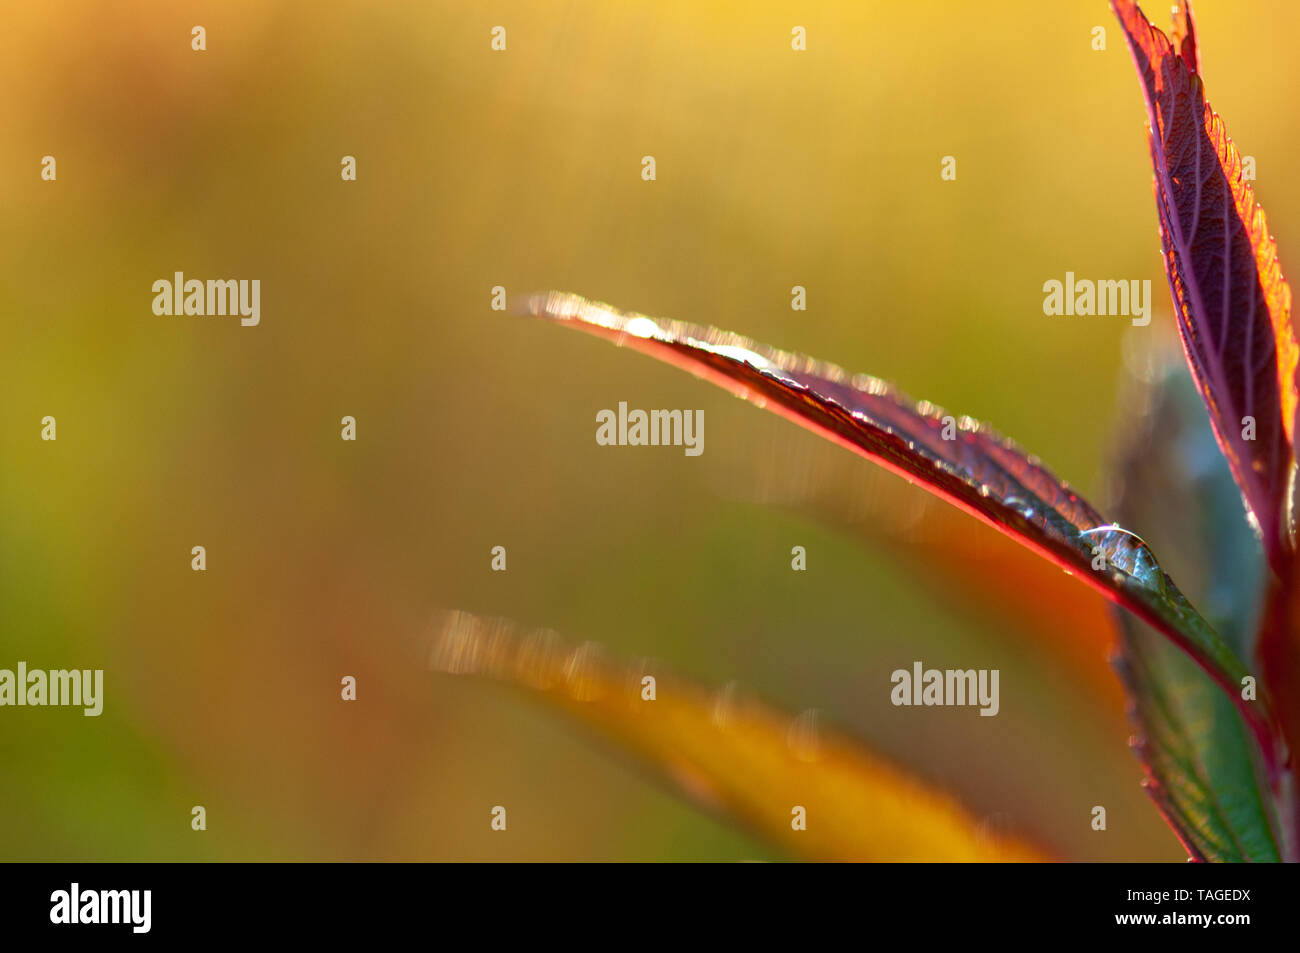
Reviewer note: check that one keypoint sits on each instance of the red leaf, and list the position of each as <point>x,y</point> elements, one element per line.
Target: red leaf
<point>956,458</point>
<point>1233,305</point>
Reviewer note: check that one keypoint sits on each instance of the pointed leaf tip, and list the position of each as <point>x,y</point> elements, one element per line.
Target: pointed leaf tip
<point>1232,302</point>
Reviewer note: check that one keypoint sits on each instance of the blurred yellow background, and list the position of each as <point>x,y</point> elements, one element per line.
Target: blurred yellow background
<point>475,428</point>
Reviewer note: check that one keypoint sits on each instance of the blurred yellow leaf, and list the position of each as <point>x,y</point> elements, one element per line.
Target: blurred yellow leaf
<point>813,790</point>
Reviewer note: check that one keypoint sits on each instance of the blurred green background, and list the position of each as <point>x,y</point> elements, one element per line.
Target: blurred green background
<point>475,429</point>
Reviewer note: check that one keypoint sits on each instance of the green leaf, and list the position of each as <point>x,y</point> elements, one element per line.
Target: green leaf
<point>1203,770</point>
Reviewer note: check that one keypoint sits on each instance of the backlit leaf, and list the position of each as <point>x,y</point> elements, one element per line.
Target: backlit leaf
<point>1233,305</point>
<point>733,754</point>
<point>976,470</point>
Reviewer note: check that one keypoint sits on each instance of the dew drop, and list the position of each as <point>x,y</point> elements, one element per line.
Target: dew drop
<point>1127,552</point>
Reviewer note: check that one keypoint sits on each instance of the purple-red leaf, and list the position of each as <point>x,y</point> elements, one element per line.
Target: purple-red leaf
<point>956,458</point>
<point>1233,305</point>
